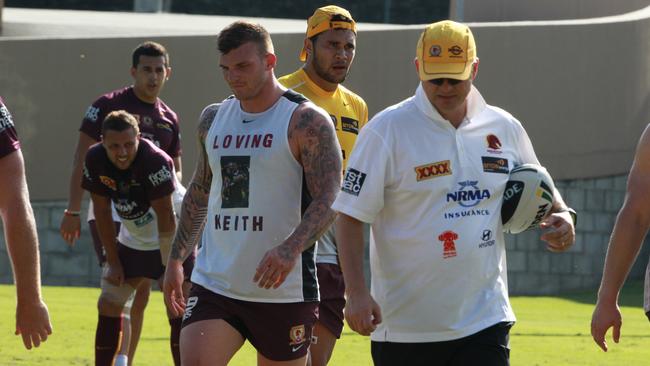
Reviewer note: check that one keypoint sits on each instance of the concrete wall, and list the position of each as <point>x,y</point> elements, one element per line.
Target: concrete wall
<point>581,89</point>
<point>512,10</point>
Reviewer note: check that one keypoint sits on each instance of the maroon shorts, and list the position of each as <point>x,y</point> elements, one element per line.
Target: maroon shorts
<point>188,265</point>
<point>332,297</point>
<point>279,331</point>
<point>140,263</point>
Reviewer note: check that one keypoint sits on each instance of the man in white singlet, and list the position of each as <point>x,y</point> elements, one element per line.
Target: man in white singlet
<point>268,172</point>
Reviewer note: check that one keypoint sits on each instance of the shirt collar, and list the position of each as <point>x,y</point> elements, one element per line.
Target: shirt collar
<point>314,87</point>
<point>475,104</point>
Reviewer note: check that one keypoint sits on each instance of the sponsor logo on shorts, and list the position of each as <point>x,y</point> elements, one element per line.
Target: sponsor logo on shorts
<point>353,181</point>
<point>191,303</point>
<point>495,165</point>
<point>350,125</point>
<point>486,239</point>
<point>108,182</point>
<point>92,114</point>
<point>493,143</point>
<point>448,243</point>
<point>428,171</point>
<point>5,118</point>
<point>161,176</point>
<point>297,337</point>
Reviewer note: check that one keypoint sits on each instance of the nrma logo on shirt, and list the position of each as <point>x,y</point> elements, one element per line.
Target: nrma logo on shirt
<point>469,194</point>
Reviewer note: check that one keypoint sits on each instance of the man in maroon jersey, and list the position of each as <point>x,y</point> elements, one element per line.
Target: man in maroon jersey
<point>158,123</point>
<point>137,178</point>
<point>32,318</point>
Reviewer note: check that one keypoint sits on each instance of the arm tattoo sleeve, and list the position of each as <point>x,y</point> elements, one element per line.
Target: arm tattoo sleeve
<point>195,202</point>
<point>320,155</point>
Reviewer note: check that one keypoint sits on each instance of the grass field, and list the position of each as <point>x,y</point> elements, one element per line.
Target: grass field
<point>549,331</point>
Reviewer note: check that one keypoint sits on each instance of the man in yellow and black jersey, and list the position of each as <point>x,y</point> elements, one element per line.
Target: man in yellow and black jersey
<point>328,52</point>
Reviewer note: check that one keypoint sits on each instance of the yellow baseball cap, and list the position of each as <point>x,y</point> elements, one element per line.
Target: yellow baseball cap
<point>446,49</point>
<point>326,18</point>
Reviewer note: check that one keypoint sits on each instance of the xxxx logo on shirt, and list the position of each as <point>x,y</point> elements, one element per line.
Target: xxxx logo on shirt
<point>448,245</point>
<point>108,182</point>
<point>432,170</point>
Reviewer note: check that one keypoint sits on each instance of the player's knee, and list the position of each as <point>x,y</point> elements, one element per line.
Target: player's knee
<point>113,299</point>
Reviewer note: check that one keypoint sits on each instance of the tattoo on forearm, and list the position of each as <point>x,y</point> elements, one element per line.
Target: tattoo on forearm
<point>320,155</point>
<point>195,203</point>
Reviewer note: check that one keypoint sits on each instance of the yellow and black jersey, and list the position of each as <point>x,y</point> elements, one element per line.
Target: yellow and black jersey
<point>348,111</point>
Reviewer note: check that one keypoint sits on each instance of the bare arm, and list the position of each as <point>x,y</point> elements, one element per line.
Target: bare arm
<point>190,225</point>
<point>195,202</point>
<point>627,237</point>
<point>32,318</point>
<point>314,144</point>
<point>166,224</point>
<point>361,311</point>
<point>106,230</point>
<point>71,225</point>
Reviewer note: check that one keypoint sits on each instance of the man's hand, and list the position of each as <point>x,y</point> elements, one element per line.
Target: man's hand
<point>114,273</point>
<point>173,288</point>
<point>70,228</point>
<point>606,316</point>
<point>561,234</point>
<point>362,313</point>
<point>274,268</point>
<point>33,323</point>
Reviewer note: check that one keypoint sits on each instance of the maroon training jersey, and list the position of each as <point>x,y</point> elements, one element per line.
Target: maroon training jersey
<point>158,123</point>
<point>8,137</point>
<point>150,176</point>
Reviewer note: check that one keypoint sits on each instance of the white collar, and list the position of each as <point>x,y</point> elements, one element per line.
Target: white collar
<point>475,104</point>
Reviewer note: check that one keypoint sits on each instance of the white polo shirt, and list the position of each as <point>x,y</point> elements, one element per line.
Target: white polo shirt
<point>432,194</point>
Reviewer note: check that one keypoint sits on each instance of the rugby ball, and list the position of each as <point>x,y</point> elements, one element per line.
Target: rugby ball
<point>527,199</point>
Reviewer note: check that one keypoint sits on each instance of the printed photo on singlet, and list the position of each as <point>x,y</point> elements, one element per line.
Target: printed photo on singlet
<point>235,187</point>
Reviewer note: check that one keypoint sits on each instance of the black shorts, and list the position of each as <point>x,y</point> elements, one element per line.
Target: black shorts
<point>488,347</point>
<point>279,331</point>
<point>332,297</point>
<point>140,263</point>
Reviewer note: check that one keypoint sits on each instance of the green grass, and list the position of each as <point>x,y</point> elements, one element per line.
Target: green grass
<point>549,331</point>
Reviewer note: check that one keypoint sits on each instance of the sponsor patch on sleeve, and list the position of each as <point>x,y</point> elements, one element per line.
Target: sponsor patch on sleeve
<point>495,165</point>
<point>353,181</point>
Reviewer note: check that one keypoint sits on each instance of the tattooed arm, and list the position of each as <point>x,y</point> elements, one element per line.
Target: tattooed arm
<point>193,214</point>
<point>314,144</point>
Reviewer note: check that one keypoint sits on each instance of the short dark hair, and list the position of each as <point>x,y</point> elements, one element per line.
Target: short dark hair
<point>120,121</point>
<point>240,32</point>
<point>149,48</point>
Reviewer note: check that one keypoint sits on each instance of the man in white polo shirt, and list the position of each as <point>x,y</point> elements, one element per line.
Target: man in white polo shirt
<point>428,174</point>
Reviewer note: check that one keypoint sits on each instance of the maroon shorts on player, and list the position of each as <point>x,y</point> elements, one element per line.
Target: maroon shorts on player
<point>188,265</point>
<point>332,297</point>
<point>140,263</point>
<point>279,331</point>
